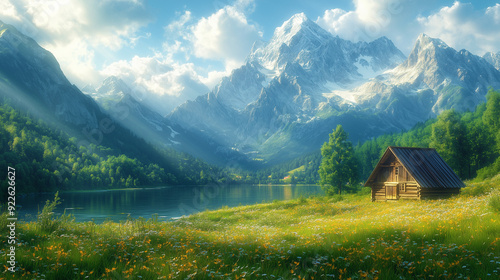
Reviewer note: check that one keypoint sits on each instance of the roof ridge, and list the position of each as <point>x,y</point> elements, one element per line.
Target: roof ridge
<point>411,148</point>
<point>425,165</point>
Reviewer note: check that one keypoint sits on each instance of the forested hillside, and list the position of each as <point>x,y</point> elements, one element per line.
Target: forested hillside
<point>469,142</point>
<point>47,159</point>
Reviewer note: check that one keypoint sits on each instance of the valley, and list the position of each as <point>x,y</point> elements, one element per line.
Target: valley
<point>175,143</point>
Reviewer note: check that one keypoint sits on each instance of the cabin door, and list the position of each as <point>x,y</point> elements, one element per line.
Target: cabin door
<point>391,191</point>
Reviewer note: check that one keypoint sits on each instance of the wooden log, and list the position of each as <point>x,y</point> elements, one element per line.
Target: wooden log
<point>410,197</point>
<point>408,194</point>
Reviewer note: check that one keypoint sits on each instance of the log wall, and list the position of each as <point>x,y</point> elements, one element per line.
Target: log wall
<point>378,192</point>
<point>435,193</point>
<point>409,190</point>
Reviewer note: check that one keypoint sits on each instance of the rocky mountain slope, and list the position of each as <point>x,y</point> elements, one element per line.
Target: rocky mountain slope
<point>433,78</point>
<point>125,106</point>
<point>32,81</point>
<point>288,96</point>
<point>283,102</point>
<point>31,76</point>
<point>493,58</point>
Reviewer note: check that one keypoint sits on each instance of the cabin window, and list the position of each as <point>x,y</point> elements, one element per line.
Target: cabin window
<point>402,187</point>
<point>396,172</point>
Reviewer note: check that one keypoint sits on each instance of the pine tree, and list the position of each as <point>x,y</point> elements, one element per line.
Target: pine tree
<point>338,166</point>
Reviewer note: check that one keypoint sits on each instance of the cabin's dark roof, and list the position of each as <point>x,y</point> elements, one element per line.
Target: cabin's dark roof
<point>425,165</point>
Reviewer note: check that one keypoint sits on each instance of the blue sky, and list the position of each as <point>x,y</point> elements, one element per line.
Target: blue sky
<point>184,47</point>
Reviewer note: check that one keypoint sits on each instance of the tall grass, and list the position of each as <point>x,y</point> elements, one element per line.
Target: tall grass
<point>308,238</point>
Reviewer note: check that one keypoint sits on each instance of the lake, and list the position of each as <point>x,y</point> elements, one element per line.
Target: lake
<point>167,202</point>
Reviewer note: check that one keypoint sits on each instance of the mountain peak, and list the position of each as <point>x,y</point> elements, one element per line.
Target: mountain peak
<point>427,50</point>
<point>12,38</point>
<point>493,59</point>
<point>298,23</point>
<point>113,85</point>
<point>425,40</point>
<point>298,19</point>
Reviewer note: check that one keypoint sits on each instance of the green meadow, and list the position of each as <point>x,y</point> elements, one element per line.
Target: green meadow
<point>346,237</point>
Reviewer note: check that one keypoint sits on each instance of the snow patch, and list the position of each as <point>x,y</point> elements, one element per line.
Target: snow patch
<point>364,66</point>
<point>173,133</point>
<point>336,89</point>
<point>269,75</point>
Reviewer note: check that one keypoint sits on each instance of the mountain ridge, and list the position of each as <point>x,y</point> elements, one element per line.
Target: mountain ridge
<point>287,83</point>
<point>22,58</point>
<point>283,101</point>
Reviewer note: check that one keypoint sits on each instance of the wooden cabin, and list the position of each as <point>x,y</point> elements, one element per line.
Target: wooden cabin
<point>412,173</point>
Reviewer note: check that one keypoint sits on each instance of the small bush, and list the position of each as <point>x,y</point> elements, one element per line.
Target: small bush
<point>489,171</point>
<point>365,191</point>
<point>476,189</point>
<point>336,198</point>
<point>495,202</point>
<point>3,219</point>
<point>45,219</point>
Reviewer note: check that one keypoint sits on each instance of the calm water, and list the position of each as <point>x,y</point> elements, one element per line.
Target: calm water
<point>167,202</point>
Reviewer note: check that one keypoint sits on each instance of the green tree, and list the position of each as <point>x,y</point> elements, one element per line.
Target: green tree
<point>491,116</point>
<point>482,146</point>
<point>338,166</point>
<point>449,138</point>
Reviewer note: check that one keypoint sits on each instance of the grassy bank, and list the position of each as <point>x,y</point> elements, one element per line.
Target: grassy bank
<point>311,238</point>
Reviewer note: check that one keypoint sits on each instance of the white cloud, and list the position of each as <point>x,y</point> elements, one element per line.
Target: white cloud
<point>225,35</point>
<point>369,20</point>
<point>225,38</point>
<point>245,6</point>
<point>494,12</point>
<point>73,30</point>
<point>177,27</point>
<point>9,11</point>
<point>76,59</point>
<point>157,75</point>
<point>396,19</point>
<point>213,78</point>
<point>160,83</point>
<point>462,26</point>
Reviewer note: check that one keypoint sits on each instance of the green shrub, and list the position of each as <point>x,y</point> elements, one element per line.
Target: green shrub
<point>489,171</point>
<point>365,191</point>
<point>336,198</point>
<point>3,219</point>
<point>476,189</point>
<point>495,202</point>
<point>45,220</point>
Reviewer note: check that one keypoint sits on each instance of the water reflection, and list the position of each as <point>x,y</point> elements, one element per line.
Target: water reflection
<point>167,202</point>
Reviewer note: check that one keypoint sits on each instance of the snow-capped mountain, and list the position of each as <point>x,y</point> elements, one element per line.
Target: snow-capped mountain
<point>493,58</point>
<point>283,102</point>
<point>435,77</point>
<point>295,80</point>
<point>329,58</point>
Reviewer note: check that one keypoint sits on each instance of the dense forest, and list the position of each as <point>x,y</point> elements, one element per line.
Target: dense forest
<point>469,142</point>
<point>47,159</point>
